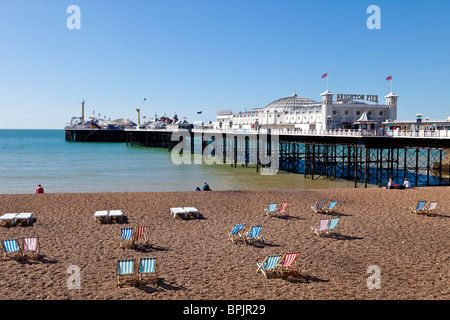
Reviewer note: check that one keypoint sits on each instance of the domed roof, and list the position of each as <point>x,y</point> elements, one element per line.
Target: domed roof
<point>290,104</point>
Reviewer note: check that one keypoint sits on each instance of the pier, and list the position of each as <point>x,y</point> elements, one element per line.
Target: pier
<point>366,157</point>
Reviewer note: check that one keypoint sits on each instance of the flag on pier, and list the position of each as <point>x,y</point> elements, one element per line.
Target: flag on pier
<point>389,78</point>
<point>324,75</point>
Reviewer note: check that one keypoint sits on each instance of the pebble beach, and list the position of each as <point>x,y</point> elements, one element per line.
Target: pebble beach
<point>196,260</point>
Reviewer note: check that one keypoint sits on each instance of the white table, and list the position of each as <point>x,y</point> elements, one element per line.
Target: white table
<point>178,211</point>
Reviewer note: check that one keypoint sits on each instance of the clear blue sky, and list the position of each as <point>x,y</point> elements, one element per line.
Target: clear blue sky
<point>186,56</point>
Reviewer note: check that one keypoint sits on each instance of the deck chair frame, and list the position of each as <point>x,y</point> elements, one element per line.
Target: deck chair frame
<point>251,237</point>
<point>236,232</point>
<point>429,208</point>
<point>320,205</point>
<point>419,206</point>
<point>322,227</point>
<point>126,273</point>
<point>12,250</point>
<point>126,238</point>
<point>271,210</point>
<point>288,265</point>
<point>332,226</point>
<point>31,248</point>
<point>147,273</point>
<point>141,232</point>
<point>269,266</point>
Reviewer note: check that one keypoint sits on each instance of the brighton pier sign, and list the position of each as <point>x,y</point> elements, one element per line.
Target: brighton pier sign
<point>368,97</point>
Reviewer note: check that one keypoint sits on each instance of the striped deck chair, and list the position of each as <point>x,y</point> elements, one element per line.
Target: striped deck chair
<point>332,225</point>
<point>271,209</point>
<point>236,233</point>
<point>147,271</point>
<point>11,249</point>
<point>141,232</point>
<point>430,207</point>
<point>330,207</point>
<point>30,247</point>
<point>253,235</point>
<point>125,273</point>
<point>288,265</point>
<point>320,205</point>
<point>322,227</point>
<point>126,239</point>
<point>419,206</point>
<point>281,211</point>
<point>269,265</point>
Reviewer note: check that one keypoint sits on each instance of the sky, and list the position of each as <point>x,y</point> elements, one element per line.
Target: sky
<point>186,56</point>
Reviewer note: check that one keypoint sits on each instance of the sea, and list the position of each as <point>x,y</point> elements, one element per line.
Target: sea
<point>30,157</point>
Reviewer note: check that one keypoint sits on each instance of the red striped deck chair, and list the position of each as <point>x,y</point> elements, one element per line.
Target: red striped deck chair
<point>288,265</point>
<point>141,232</point>
<point>31,247</point>
<point>282,211</point>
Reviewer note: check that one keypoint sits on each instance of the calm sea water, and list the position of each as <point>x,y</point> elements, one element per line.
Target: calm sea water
<point>32,157</point>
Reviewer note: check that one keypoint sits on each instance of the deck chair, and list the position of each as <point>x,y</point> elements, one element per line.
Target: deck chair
<point>30,247</point>
<point>332,225</point>
<point>330,207</point>
<point>322,227</point>
<point>320,206</point>
<point>269,265</point>
<point>141,232</point>
<point>11,249</point>
<point>101,216</point>
<point>126,239</point>
<point>25,218</point>
<point>236,233</point>
<point>147,272</point>
<point>125,273</point>
<point>192,212</point>
<point>271,209</point>
<point>116,215</point>
<point>281,211</point>
<point>419,206</point>
<point>253,235</point>
<point>179,213</point>
<point>288,265</point>
<point>8,219</point>
<point>430,207</point>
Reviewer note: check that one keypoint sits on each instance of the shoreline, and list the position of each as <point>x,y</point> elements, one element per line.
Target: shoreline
<point>197,261</point>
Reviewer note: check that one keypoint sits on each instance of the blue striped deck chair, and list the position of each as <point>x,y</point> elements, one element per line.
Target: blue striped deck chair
<point>419,206</point>
<point>269,266</point>
<point>236,232</point>
<point>125,273</point>
<point>271,210</point>
<point>126,239</point>
<point>253,235</point>
<point>330,207</point>
<point>332,225</point>
<point>11,248</point>
<point>147,271</point>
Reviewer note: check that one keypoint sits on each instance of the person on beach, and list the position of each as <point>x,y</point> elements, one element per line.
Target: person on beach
<point>39,189</point>
<point>390,184</point>
<point>206,187</point>
<point>406,183</point>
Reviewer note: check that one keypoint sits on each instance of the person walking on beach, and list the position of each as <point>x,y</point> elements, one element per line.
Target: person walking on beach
<point>39,189</point>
